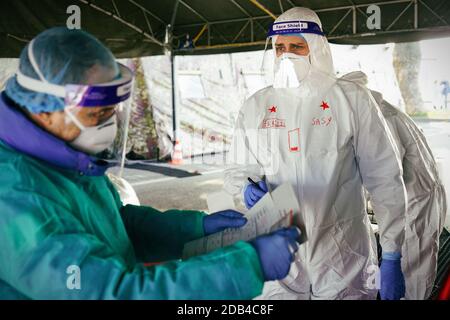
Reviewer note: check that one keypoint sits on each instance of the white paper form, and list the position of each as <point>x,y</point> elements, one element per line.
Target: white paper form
<point>273,211</point>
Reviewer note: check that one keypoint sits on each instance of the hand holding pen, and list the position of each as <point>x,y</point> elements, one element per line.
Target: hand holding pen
<point>253,192</point>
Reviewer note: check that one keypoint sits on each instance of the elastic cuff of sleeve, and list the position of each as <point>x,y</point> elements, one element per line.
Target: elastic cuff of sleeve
<point>391,255</point>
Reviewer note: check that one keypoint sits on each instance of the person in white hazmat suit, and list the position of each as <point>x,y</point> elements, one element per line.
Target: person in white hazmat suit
<point>326,137</point>
<point>427,204</point>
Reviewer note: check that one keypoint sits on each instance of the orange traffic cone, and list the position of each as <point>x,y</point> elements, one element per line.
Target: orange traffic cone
<point>177,155</point>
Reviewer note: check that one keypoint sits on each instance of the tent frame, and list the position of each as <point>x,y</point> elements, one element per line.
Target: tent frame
<point>252,22</point>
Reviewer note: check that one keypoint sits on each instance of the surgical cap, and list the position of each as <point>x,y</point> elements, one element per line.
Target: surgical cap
<point>64,57</point>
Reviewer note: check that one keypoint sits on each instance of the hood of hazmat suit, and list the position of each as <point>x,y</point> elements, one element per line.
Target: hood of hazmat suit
<point>426,197</point>
<point>328,139</point>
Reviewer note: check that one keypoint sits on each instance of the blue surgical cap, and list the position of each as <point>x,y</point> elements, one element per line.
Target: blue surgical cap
<point>64,57</point>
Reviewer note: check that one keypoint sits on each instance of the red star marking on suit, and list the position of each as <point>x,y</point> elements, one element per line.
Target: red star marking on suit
<point>273,109</point>
<point>324,105</point>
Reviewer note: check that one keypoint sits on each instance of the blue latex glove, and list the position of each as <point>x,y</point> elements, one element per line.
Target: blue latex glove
<point>222,220</point>
<point>252,194</point>
<point>392,280</point>
<point>276,252</point>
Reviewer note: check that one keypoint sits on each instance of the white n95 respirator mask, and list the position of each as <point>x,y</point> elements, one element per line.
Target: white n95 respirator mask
<point>290,70</point>
<point>93,140</point>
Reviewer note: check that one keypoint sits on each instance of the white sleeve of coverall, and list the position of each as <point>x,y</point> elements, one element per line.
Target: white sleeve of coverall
<point>381,172</point>
<point>241,162</point>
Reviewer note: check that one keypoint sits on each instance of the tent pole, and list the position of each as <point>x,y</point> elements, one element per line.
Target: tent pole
<point>174,106</point>
<point>171,52</point>
<point>172,68</point>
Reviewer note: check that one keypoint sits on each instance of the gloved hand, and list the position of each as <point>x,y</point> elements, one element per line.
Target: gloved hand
<point>222,220</point>
<point>392,280</point>
<point>252,194</point>
<point>276,252</point>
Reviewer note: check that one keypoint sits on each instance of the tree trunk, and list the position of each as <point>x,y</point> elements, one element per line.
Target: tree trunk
<point>407,65</point>
<point>142,133</point>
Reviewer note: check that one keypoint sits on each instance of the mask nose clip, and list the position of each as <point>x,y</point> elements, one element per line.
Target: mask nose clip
<point>106,124</point>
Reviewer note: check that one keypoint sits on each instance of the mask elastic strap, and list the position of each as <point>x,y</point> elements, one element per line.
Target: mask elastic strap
<point>74,120</point>
<point>34,63</point>
<point>42,85</point>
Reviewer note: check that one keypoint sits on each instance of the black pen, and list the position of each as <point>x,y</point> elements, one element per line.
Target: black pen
<point>254,183</point>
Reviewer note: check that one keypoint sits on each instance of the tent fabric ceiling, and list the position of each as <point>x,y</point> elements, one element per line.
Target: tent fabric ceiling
<point>134,28</point>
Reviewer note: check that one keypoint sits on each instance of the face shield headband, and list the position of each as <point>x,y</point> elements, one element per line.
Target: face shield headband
<point>289,27</point>
<point>97,95</point>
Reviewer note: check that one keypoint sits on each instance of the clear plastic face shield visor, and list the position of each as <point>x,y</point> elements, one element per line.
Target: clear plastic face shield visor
<point>319,50</point>
<point>100,111</point>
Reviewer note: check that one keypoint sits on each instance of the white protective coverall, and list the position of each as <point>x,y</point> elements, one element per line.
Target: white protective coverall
<point>426,198</point>
<point>328,138</point>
